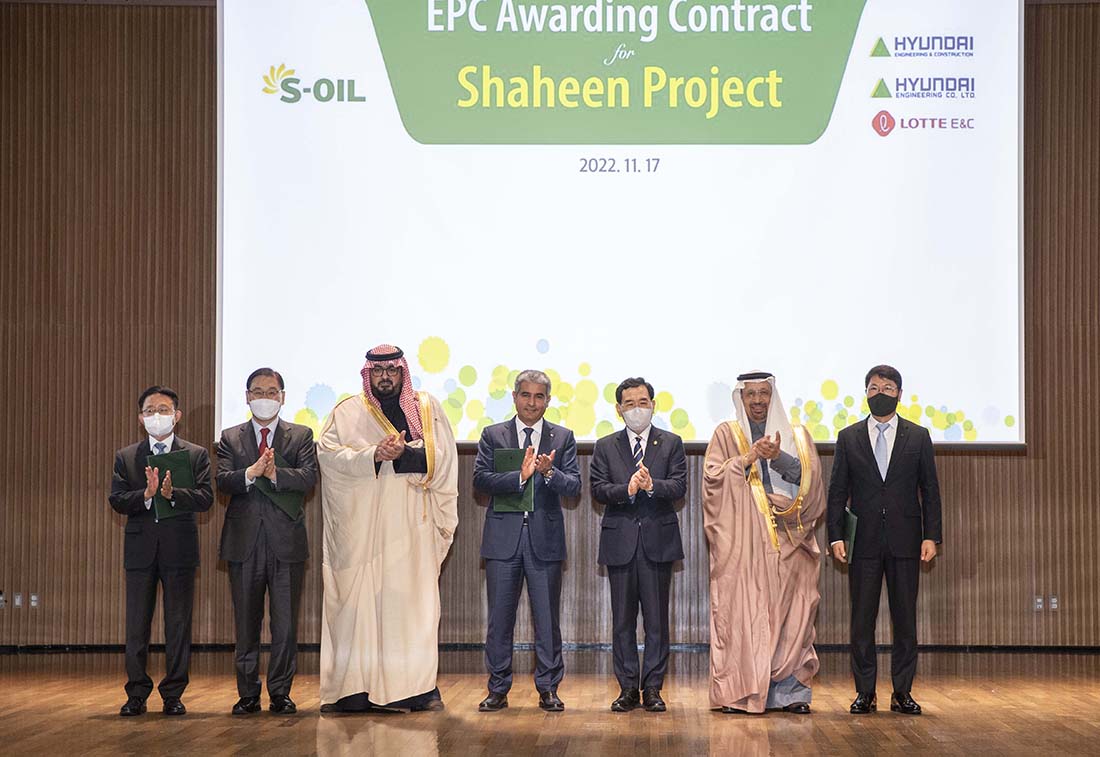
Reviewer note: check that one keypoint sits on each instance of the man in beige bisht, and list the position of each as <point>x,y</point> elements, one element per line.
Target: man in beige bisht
<point>762,499</point>
<point>389,492</point>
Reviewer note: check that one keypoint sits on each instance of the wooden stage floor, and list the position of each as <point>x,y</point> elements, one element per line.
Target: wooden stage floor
<point>986,703</point>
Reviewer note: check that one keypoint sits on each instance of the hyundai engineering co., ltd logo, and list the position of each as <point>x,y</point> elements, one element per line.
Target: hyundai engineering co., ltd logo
<point>282,79</point>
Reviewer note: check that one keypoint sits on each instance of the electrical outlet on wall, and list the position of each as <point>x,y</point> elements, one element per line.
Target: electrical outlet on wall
<point>34,601</point>
<point>17,601</point>
<point>3,601</point>
<point>1054,604</point>
<point>1038,604</point>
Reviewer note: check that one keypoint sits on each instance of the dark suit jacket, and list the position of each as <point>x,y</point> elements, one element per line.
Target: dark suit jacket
<point>893,504</point>
<point>249,507</point>
<point>176,539</point>
<point>500,535</point>
<point>651,517</point>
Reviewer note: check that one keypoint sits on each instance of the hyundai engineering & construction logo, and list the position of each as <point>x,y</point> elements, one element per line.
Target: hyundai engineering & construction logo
<point>926,46</point>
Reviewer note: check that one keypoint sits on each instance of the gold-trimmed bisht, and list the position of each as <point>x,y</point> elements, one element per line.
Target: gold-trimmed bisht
<point>426,420</point>
<point>756,484</point>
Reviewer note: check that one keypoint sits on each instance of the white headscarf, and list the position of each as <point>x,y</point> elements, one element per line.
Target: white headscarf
<point>777,421</point>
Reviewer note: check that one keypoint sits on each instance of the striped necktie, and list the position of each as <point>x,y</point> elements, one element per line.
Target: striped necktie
<point>637,451</point>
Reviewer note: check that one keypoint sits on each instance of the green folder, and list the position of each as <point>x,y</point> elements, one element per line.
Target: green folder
<point>179,464</point>
<point>506,460</point>
<point>287,501</point>
<point>850,523</point>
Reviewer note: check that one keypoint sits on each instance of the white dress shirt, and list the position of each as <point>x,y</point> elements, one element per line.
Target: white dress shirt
<point>536,437</point>
<point>872,434</point>
<point>168,440</point>
<point>631,436</point>
<point>891,434</point>
<point>256,428</point>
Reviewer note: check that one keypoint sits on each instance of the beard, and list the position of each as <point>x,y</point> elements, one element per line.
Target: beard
<point>387,390</point>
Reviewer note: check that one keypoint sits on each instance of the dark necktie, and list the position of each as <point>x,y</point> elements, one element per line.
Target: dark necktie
<point>765,475</point>
<point>263,439</point>
<point>161,446</point>
<point>637,451</point>
<point>527,437</point>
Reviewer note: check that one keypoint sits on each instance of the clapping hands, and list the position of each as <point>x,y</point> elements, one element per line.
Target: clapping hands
<point>640,481</point>
<point>265,466</point>
<point>390,448</point>
<point>767,448</point>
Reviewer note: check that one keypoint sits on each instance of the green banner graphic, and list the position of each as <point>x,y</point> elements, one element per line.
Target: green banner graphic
<point>614,71</point>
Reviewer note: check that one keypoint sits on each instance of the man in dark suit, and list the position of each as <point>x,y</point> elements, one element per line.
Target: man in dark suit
<point>264,546</point>
<point>159,549</point>
<point>638,474</point>
<point>526,547</point>
<point>886,470</point>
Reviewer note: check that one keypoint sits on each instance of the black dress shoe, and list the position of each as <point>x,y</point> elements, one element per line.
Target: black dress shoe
<point>282,705</point>
<point>493,702</point>
<point>134,706</point>
<point>627,701</point>
<point>903,703</point>
<point>173,706</point>
<point>732,711</point>
<point>651,700</point>
<point>246,705</point>
<point>548,700</point>
<point>798,708</point>
<point>864,704</point>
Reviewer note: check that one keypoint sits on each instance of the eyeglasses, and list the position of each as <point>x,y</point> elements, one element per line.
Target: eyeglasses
<point>260,394</point>
<point>392,371</point>
<point>885,389</point>
<point>149,412</point>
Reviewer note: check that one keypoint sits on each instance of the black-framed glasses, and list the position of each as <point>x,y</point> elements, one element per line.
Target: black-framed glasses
<point>149,412</point>
<point>393,371</point>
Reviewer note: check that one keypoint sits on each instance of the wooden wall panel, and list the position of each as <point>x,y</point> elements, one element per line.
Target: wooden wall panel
<point>107,284</point>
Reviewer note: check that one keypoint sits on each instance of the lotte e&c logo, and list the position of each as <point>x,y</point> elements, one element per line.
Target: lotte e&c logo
<point>883,123</point>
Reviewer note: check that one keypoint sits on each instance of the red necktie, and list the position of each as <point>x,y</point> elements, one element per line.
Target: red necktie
<point>263,439</point>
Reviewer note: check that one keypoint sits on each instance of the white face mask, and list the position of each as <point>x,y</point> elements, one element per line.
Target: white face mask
<point>637,418</point>
<point>264,410</point>
<point>159,425</point>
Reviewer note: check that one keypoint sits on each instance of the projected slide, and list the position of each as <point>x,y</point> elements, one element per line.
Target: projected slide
<point>678,189</point>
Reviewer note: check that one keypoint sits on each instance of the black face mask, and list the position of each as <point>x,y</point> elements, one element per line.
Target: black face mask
<point>882,405</point>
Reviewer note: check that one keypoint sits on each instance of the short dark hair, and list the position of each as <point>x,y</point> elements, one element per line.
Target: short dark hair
<point>265,372</point>
<point>886,371</point>
<point>631,383</point>
<point>156,389</point>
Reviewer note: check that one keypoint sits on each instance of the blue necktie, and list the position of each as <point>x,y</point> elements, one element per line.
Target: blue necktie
<point>637,451</point>
<point>527,437</point>
<point>880,449</point>
<point>161,446</point>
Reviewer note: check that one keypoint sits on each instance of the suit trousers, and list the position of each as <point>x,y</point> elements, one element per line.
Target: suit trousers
<point>504,581</point>
<point>264,573</point>
<point>865,576</point>
<point>640,581</point>
<point>141,599</point>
